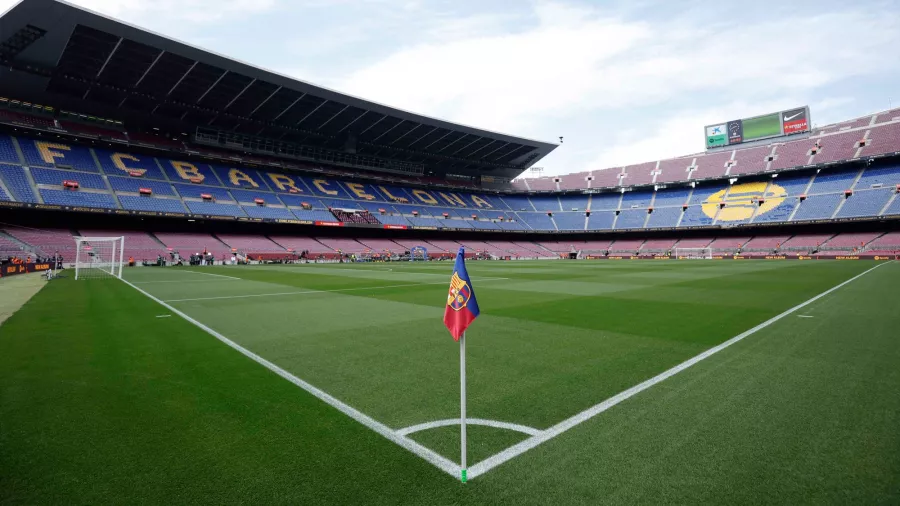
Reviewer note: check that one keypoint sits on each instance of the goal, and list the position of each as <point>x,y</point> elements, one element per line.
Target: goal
<point>99,257</point>
<point>693,253</point>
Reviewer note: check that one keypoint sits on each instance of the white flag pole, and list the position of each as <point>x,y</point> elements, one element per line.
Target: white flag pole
<point>462,404</point>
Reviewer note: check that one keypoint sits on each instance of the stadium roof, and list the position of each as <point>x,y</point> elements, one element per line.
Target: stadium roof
<point>61,55</point>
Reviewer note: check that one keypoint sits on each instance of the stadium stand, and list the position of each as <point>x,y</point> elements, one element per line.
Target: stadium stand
<point>186,244</point>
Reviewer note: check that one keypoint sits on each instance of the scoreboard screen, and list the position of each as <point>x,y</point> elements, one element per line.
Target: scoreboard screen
<point>792,121</point>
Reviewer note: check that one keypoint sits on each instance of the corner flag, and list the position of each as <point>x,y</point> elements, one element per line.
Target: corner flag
<point>462,308</point>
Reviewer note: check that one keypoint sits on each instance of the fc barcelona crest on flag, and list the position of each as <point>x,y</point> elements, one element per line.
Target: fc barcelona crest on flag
<point>460,292</point>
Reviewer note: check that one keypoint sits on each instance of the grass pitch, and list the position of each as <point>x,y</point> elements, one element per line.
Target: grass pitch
<point>107,400</point>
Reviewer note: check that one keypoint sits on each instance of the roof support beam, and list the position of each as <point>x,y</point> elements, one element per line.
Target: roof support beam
<point>454,142</point>
<point>239,94</point>
<point>213,85</point>
<point>389,129</point>
<point>354,121</point>
<point>482,147</point>
<point>288,107</point>
<point>144,75</point>
<point>484,157</point>
<point>439,139</point>
<point>467,145</point>
<point>331,118</point>
<point>181,79</point>
<point>311,112</point>
<point>111,53</point>
<point>264,101</point>
<point>411,144</point>
<point>373,124</point>
<point>103,67</point>
<point>406,133</point>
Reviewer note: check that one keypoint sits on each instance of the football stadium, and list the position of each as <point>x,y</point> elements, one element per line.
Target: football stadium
<point>224,285</point>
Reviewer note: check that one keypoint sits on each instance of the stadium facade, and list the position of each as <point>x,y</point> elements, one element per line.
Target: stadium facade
<point>107,126</point>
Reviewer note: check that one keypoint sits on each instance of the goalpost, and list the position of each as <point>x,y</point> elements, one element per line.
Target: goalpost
<point>693,253</point>
<point>99,257</point>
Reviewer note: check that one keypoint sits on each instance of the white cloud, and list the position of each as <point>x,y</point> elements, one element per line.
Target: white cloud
<point>577,62</point>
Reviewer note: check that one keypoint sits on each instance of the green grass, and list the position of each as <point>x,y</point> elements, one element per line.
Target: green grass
<point>102,402</point>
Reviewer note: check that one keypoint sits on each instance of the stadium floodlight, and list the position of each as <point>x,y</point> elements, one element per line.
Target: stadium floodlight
<point>99,257</point>
<point>693,253</point>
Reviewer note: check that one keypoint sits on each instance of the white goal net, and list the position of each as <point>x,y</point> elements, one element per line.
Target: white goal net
<point>99,257</point>
<point>693,253</point>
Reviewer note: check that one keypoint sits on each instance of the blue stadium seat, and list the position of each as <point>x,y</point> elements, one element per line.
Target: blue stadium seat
<point>665,217</point>
<point>832,182</point>
<point>518,203</point>
<point>546,204</point>
<point>274,213</point>
<point>46,153</point>
<point>56,177</point>
<point>605,201</point>
<point>17,183</point>
<point>248,196</point>
<point>818,207</point>
<point>137,203</point>
<point>792,185</point>
<point>537,221</point>
<point>865,203</point>
<point>215,209</point>
<point>313,215</point>
<point>885,176</point>
<point>388,219</point>
<point>194,191</point>
<point>780,213</point>
<point>695,217</point>
<point>636,200</point>
<point>7,150</point>
<point>118,163</point>
<point>601,220</point>
<point>78,199</point>
<point>134,184</point>
<point>631,218</point>
<point>431,222</point>
<point>893,209</point>
<point>569,220</point>
<point>670,198</point>
<point>569,202</point>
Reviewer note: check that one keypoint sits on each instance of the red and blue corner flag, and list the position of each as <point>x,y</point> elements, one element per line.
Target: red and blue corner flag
<point>462,308</point>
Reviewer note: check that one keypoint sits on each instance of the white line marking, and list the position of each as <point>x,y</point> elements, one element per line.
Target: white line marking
<point>531,431</point>
<point>187,281</point>
<point>803,316</point>
<point>211,274</point>
<point>305,292</point>
<point>550,433</point>
<point>428,455</point>
<point>164,316</point>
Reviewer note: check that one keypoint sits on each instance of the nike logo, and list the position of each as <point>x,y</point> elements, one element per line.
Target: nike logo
<point>788,118</point>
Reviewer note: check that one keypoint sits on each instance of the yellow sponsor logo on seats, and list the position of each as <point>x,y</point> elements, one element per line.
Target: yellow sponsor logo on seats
<point>742,201</point>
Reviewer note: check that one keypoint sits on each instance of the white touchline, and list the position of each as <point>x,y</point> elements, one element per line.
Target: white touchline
<point>305,292</point>
<point>428,455</point>
<point>550,433</point>
<point>531,431</point>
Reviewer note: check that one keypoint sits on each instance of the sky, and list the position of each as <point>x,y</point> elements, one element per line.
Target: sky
<point>621,81</point>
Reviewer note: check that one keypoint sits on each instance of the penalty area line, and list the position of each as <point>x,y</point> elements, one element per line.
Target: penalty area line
<point>426,454</point>
<point>550,433</point>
